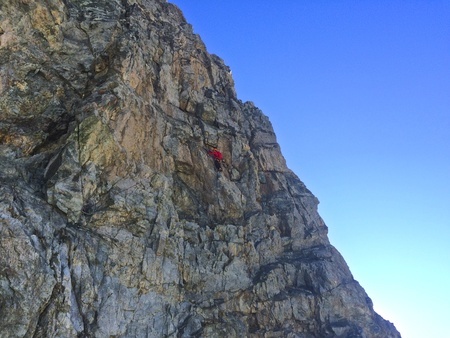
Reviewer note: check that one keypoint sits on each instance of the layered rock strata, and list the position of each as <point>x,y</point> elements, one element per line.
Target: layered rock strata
<point>113,219</point>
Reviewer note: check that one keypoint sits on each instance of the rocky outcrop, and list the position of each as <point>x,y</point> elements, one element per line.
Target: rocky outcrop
<point>114,221</point>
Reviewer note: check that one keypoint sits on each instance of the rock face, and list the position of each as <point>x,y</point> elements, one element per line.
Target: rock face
<point>114,221</point>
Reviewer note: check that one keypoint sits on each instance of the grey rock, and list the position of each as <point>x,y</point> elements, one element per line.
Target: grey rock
<point>113,219</point>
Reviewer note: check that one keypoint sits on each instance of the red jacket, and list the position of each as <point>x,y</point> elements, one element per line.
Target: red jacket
<point>216,154</point>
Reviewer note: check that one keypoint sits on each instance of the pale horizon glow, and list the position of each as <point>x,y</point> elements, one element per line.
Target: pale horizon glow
<point>358,93</point>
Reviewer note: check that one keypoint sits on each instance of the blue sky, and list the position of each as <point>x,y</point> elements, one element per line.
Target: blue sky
<point>359,95</point>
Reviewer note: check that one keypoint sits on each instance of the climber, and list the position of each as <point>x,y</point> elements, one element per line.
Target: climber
<point>218,158</point>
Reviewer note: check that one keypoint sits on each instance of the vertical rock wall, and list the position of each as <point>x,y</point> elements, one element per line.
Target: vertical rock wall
<point>113,219</point>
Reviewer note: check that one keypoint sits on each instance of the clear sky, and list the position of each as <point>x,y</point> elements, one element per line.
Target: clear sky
<point>359,95</point>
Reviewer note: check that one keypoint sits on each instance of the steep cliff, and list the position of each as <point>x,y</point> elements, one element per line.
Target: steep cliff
<point>114,220</point>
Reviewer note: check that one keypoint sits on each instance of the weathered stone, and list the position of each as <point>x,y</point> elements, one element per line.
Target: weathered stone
<point>113,219</point>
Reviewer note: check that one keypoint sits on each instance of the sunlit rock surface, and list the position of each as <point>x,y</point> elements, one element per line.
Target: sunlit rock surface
<point>114,221</point>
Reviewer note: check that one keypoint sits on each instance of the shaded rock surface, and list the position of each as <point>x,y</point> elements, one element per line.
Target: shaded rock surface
<point>113,219</point>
